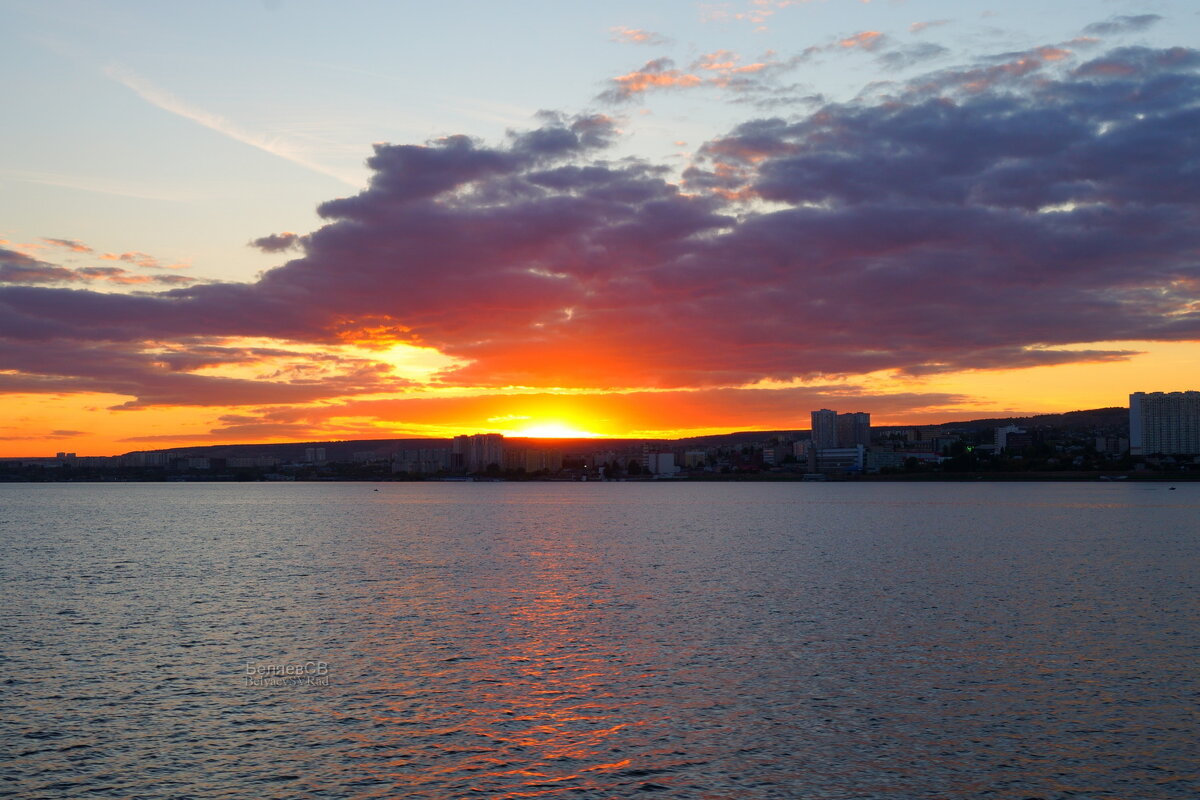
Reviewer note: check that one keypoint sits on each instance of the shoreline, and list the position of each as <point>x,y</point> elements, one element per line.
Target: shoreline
<point>1040,477</point>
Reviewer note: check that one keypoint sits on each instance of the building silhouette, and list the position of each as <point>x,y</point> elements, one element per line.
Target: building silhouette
<point>824,429</point>
<point>854,428</point>
<point>1164,422</point>
<point>832,430</point>
<point>479,451</point>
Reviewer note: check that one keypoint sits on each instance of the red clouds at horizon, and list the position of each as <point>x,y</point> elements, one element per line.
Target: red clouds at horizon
<point>730,409</point>
<point>981,218</point>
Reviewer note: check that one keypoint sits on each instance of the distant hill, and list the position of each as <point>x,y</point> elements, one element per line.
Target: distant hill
<point>294,451</point>
<point>1108,420</point>
<point>737,438</point>
<point>1098,418</point>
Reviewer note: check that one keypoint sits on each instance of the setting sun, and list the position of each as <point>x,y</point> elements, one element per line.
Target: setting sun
<point>555,430</point>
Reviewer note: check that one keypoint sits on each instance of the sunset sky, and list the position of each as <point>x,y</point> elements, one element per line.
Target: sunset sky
<point>284,220</point>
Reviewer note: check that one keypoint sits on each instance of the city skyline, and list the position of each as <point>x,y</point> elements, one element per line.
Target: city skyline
<point>1158,435</point>
<point>278,222</point>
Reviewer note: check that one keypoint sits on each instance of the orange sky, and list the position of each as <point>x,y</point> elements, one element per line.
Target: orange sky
<point>970,234</point>
<point>40,425</point>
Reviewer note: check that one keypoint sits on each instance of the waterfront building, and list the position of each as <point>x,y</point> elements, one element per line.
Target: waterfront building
<point>824,429</point>
<point>841,459</point>
<point>661,463</point>
<point>877,460</point>
<point>1164,422</point>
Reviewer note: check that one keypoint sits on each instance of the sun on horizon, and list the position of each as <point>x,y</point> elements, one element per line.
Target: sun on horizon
<point>553,430</point>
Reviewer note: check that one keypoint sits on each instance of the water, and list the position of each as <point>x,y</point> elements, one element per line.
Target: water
<point>599,640</point>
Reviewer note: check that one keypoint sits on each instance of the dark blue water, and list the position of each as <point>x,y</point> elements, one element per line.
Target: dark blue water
<point>599,640</point>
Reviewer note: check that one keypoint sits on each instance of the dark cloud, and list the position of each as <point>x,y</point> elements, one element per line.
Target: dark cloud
<point>20,268</point>
<point>242,433</point>
<point>15,259</point>
<point>1003,214</point>
<point>1152,69</point>
<point>278,242</point>
<point>38,273</point>
<point>162,377</point>
<point>1122,24</point>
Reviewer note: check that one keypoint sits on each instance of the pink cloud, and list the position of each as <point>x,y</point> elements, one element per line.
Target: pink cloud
<point>866,40</point>
<point>637,36</point>
<point>918,27</point>
<point>657,74</point>
<point>74,245</point>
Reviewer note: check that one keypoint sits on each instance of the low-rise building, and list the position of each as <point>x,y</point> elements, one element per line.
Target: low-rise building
<point>249,462</point>
<point>1003,434</point>
<point>533,459</point>
<point>841,459</point>
<point>661,464</point>
<point>425,461</point>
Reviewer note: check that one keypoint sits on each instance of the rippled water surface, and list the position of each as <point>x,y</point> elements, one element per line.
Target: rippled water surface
<point>600,640</point>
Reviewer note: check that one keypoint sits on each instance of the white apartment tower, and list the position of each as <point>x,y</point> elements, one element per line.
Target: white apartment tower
<point>1164,422</point>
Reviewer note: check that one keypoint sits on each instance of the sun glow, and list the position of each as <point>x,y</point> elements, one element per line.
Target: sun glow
<point>554,430</point>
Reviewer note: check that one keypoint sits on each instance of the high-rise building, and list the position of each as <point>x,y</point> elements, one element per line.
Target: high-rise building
<point>1164,422</point>
<point>480,451</point>
<point>824,429</point>
<point>831,429</point>
<point>854,428</point>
